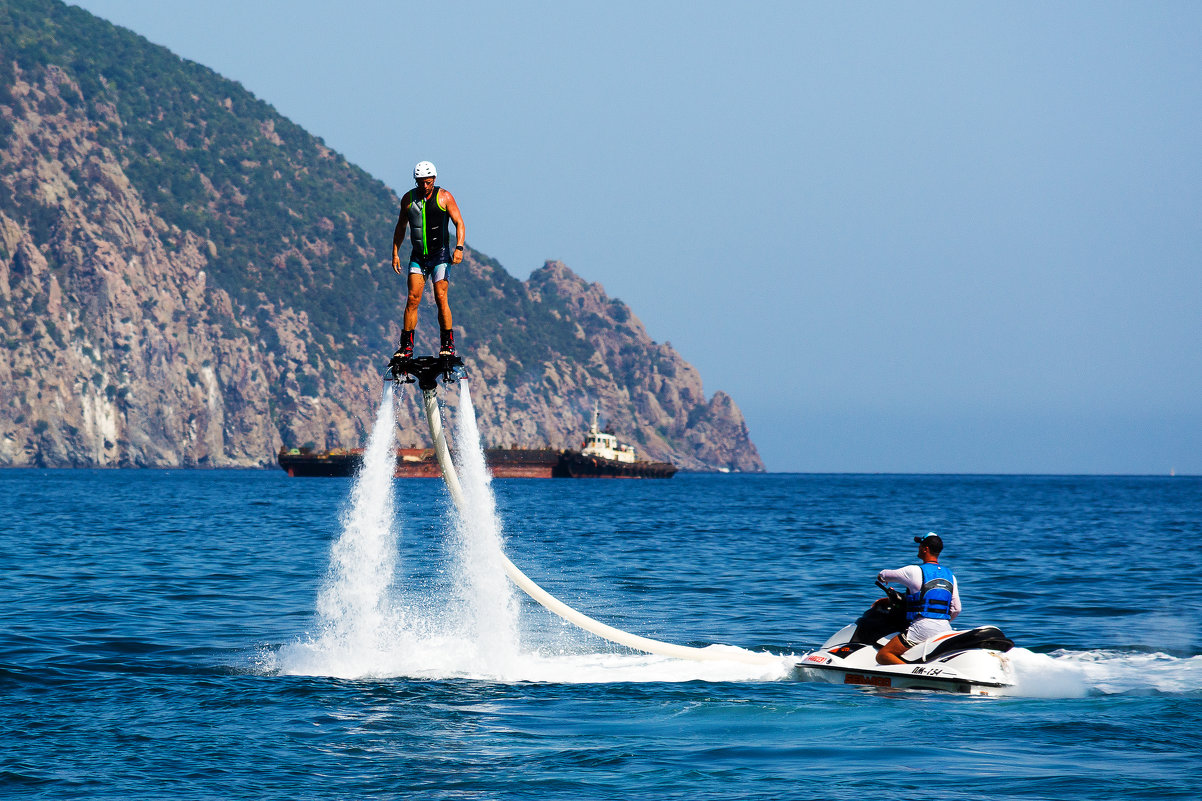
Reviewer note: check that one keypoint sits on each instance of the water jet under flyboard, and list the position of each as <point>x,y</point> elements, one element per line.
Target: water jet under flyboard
<point>427,371</point>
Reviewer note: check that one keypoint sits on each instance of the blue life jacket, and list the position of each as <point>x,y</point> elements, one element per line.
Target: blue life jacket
<point>934,597</point>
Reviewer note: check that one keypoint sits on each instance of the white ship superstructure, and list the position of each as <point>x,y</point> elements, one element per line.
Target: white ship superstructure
<point>603,444</point>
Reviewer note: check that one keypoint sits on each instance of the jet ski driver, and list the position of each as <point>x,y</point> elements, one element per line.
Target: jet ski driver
<point>932,599</point>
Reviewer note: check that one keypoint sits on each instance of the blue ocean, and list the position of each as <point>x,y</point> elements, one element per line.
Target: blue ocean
<point>245,635</point>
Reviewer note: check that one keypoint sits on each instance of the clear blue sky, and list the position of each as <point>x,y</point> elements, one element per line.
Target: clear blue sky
<point>921,237</point>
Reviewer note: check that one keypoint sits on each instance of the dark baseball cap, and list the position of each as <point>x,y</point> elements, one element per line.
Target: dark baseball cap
<point>932,541</point>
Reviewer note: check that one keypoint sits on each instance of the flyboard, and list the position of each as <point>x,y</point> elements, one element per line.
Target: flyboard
<point>427,371</point>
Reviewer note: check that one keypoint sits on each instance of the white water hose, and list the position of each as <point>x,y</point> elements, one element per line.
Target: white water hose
<point>710,654</point>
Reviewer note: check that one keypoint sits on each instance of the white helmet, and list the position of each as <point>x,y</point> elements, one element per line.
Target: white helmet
<point>424,169</point>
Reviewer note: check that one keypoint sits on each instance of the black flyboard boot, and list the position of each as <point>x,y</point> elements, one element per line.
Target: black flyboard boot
<point>447,338</point>
<point>398,364</point>
<point>405,349</point>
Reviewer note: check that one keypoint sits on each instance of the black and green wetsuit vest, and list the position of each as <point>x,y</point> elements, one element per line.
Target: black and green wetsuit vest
<point>428,230</point>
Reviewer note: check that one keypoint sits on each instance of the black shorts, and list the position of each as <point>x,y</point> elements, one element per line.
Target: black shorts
<point>432,260</point>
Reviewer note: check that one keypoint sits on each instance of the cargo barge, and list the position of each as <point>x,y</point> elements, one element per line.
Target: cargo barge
<point>420,462</point>
<point>600,456</point>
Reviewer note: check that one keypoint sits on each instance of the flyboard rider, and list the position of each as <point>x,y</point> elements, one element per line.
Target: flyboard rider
<point>932,599</point>
<point>426,211</point>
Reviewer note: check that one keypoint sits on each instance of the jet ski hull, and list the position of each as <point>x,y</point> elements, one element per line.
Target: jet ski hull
<point>973,662</point>
<point>979,673</point>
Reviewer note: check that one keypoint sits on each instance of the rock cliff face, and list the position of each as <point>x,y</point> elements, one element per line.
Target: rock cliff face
<point>180,292</point>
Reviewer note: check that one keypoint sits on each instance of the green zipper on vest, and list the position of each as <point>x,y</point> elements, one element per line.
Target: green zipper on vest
<point>425,234</point>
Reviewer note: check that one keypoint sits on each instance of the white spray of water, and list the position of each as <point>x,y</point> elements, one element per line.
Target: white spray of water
<point>353,602</point>
<point>365,632</point>
<point>1071,674</point>
<point>356,617</point>
<point>491,606</point>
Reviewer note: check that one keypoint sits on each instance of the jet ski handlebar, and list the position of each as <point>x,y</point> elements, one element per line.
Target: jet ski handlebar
<point>891,593</point>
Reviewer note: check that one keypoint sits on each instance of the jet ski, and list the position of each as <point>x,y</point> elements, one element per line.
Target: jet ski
<point>972,661</point>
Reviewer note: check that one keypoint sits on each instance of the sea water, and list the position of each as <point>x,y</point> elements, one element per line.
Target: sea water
<point>241,634</point>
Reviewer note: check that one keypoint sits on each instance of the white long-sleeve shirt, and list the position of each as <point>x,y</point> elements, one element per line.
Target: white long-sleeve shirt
<point>911,576</point>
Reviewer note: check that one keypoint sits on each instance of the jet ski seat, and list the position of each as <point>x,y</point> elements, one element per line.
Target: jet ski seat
<point>986,637</point>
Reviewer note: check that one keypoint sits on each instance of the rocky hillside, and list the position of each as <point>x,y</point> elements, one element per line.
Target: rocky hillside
<point>190,279</point>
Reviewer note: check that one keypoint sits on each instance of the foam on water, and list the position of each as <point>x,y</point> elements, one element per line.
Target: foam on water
<point>1069,674</point>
